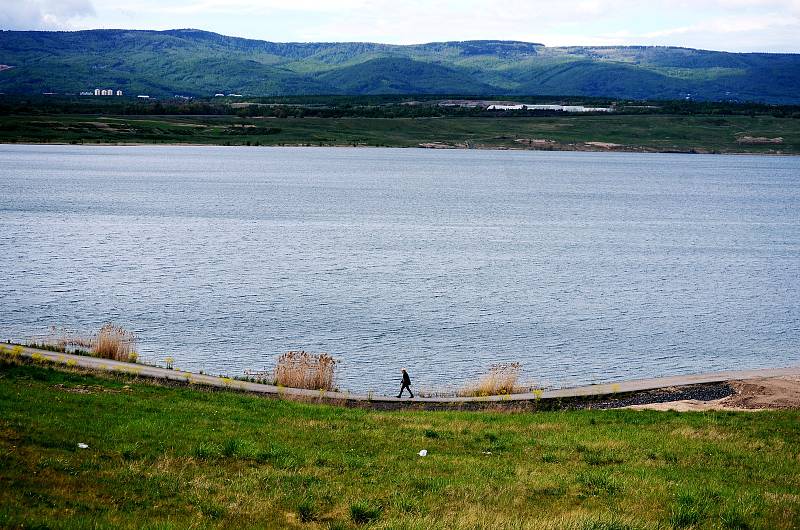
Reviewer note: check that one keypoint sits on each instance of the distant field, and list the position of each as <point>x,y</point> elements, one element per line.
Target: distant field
<point>662,133</point>
<point>161,457</point>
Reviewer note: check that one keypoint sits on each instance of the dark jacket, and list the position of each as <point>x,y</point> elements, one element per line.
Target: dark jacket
<point>406,379</point>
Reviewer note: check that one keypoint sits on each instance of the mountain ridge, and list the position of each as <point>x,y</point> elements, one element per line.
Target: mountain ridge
<point>195,62</point>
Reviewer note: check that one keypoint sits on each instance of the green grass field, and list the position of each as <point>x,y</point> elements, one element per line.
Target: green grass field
<point>719,134</point>
<point>164,457</point>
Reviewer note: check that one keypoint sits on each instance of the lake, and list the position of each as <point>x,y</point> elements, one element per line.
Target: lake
<point>584,267</point>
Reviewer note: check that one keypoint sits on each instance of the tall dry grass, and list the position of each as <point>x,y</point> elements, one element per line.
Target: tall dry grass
<point>301,369</point>
<point>114,342</point>
<point>499,380</point>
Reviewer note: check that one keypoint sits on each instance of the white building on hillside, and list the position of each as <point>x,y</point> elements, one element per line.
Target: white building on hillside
<point>105,92</point>
<point>506,107</point>
<point>557,108</point>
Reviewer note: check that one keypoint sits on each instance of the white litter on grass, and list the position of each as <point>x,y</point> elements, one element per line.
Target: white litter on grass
<point>83,446</point>
<point>424,452</point>
<point>487,452</point>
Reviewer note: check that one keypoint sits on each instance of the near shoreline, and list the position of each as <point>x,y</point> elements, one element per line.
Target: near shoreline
<point>775,388</point>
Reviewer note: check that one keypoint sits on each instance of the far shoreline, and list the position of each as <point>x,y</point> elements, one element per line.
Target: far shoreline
<point>648,133</point>
<point>571,149</point>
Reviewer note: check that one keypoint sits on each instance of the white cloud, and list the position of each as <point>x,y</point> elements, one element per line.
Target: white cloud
<point>742,25</point>
<point>43,14</point>
<point>244,7</point>
<point>768,32</point>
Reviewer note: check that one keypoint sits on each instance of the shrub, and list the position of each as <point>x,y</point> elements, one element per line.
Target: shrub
<point>597,484</point>
<point>279,456</point>
<point>211,510</point>
<point>364,512</point>
<point>689,510</point>
<point>231,447</point>
<point>300,369</point>
<point>501,379</point>
<point>737,517</point>
<point>307,510</point>
<point>205,451</point>
<point>114,342</point>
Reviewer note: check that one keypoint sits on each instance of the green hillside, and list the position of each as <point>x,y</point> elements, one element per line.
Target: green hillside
<point>395,75</point>
<point>199,63</point>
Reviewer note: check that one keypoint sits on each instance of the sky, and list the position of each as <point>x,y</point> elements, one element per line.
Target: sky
<point>730,25</point>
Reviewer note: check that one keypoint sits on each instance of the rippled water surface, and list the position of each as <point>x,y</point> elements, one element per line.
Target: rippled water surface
<point>585,267</point>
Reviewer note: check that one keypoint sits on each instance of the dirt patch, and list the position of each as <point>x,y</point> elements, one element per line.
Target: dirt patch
<point>536,142</point>
<point>437,145</point>
<point>754,394</point>
<point>604,145</point>
<point>98,124</point>
<point>88,389</point>
<point>766,393</point>
<point>103,126</point>
<point>687,405</point>
<point>755,140</point>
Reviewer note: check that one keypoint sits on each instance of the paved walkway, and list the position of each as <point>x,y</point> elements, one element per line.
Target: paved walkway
<point>609,389</point>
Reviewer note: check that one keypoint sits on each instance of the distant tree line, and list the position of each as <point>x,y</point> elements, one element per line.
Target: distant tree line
<point>389,106</point>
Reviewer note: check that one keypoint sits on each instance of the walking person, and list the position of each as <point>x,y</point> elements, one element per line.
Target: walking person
<point>406,384</point>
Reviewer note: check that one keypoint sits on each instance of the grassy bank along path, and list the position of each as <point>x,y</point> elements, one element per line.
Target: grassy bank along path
<point>565,395</point>
<point>155,456</point>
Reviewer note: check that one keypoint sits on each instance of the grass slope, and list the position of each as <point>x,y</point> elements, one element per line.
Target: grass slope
<point>635,132</point>
<point>199,63</point>
<point>163,457</point>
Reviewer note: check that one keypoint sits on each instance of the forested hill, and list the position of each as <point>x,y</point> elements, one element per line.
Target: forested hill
<point>198,63</point>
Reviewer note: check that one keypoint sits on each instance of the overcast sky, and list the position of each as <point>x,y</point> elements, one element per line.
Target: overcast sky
<point>733,25</point>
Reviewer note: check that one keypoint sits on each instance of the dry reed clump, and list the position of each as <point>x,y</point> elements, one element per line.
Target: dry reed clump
<point>300,369</point>
<point>499,380</point>
<point>114,342</point>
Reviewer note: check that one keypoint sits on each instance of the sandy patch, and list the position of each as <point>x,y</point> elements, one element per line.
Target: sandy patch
<point>759,140</point>
<point>536,141</point>
<point>604,145</point>
<point>767,393</point>
<point>437,145</point>
<point>754,394</point>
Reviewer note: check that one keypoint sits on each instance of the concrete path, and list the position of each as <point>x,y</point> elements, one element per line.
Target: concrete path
<point>610,389</point>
